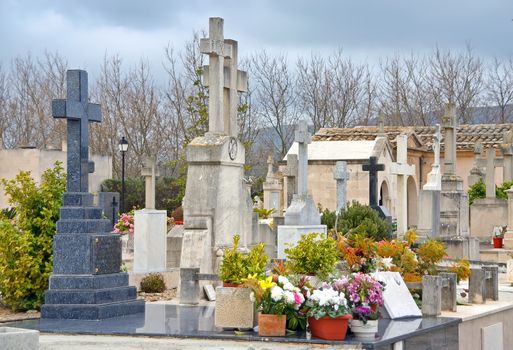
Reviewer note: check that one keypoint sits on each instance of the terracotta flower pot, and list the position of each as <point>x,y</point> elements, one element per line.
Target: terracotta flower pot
<point>364,330</point>
<point>497,242</point>
<point>328,328</point>
<point>271,325</point>
<point>233,285</point>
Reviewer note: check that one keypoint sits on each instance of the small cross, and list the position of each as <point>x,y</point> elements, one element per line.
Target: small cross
<point>373,167</point>
<point>302,135</point>
<point>78,112</point>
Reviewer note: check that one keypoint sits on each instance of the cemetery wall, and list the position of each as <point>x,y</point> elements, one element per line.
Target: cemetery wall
<point>12,161</point>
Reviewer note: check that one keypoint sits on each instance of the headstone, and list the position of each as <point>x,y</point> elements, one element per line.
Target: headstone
<point>431,295</point>
<point>398,300</point>
<point>290,174</point>
<point>216,202</point>
<point>429,201</point>
<point>210,292</point>
<point>150,240</point>
<point>492,337</point>
<point>86,282</point>
<point>341,177</point>
<point>402,169</point>
<point>109,201</point>
<point>149,172</point>
<point>302,210</point>
<point>373,167</point>
<point>454,207</point>
<point>302,216</point>
<point>272,190</point>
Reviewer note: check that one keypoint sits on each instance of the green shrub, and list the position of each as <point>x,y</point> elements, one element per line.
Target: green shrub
<point>360,219</point>
<point>237,266</point>
<point>26,238</point>
<point>478,190</point>
<point>313,255</point>
<point>153,283</point>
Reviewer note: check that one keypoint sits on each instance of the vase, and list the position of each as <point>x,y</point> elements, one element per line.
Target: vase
<point>497,242</point>
<point>271,325</point>
<point>364,330</point>
<point>328,328</point>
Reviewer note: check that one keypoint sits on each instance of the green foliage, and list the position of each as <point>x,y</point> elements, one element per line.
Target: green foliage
<point>264,213</point>
<point>169,192</point>
<point>26,239</point>
<point>478,190</point>
<point>237,266</point>
<point>358,219</point>
<point>313,255</point>
<point>153,283</point>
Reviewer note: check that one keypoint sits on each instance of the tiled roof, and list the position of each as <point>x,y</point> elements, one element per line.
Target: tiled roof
<point>467,135</point>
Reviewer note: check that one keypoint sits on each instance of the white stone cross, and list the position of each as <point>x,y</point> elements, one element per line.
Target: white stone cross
<point>217,50</point>
<point>302,137</point>
<point>341,176</point>
<point>449,124</point>
<point>224,80</point>
<point>149,172</point>
<point>434,179</point>
<point>490,163</point>
<point>402,169</point>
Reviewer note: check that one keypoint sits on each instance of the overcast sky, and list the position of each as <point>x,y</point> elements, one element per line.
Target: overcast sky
<point>83,31</point>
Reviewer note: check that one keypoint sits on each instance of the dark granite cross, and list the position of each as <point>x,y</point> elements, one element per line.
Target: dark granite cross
<point>373,167</point>
<point>79,112</point>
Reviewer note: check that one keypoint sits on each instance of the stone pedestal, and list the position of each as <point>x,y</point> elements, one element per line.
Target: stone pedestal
<point>495,211</point>
<point>234,308</point>
<point>150,240</point>
<point>429,221</point>
<point>86,282</point>
<point>289,235</point>
<point>216,203</point>
<point>302,211</point>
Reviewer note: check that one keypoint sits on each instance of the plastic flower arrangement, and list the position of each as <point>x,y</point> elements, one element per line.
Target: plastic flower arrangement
<point>275,295</point>
<point>125,223</point>
<point>364,293</point>
<point>326,301</point>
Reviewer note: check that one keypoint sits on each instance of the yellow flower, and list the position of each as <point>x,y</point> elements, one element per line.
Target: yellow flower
<point>267,283</point>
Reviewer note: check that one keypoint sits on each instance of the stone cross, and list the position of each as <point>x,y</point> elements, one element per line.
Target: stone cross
<point>507,156</point>
<point>149,172</point>
<point>78,112</point>
<point>341,176</point>
<point>373,167</point>
<point>223,79</point>
<point>450,123</point>
<point>291,176</point>
<point>402,169</point>
<point>302,137</point>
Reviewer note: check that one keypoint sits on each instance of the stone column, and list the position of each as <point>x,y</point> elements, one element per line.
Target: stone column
<point>449,124</point>
<point>149,172</point>
<point>508,237</point>
<point>490,173</point>
<point>341,176</point>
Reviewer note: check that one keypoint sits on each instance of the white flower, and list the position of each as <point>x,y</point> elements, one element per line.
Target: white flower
<point>289,297</point>
<point>276,293</point>
<point>288,286</point>
<point>283,280</point>
<point>387,262</point>
<point>252,297</point>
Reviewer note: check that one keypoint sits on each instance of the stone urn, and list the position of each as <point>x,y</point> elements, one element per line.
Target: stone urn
<point>235,308</point>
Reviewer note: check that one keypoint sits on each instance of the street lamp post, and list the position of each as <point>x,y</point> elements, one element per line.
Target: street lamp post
<point>123,147</point>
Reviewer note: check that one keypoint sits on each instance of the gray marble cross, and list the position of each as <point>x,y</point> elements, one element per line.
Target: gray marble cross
<point>341,176</point>
<point>302,137</point>
<point>217,49</point>
<point>373,167</point>
<point>78,112</point>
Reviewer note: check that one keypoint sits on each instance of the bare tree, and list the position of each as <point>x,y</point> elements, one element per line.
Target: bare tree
<point>275,98</point>
<point>458,79</point>
<point>499,90</point>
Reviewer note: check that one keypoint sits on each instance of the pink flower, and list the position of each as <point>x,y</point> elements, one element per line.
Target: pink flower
<point>298,298</point>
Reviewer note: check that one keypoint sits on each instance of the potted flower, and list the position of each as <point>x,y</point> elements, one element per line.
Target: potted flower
<point>233,308</point>
<point>365,295</point>
<point>276,298</point>
<point>313,255</point>
<point>125,226</point>
<point>498,236</point>
<point>328,313</point>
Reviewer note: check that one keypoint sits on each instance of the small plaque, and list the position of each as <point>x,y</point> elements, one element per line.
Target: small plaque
<point>210,292</point>
<point>398,300</point>
<point>106,254</point>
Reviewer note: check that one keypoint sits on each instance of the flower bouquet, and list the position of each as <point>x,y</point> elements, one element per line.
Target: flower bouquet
<point>365,295</point>
<point>328,313</point>
<point>125,224</point>
<point>276,299</point>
